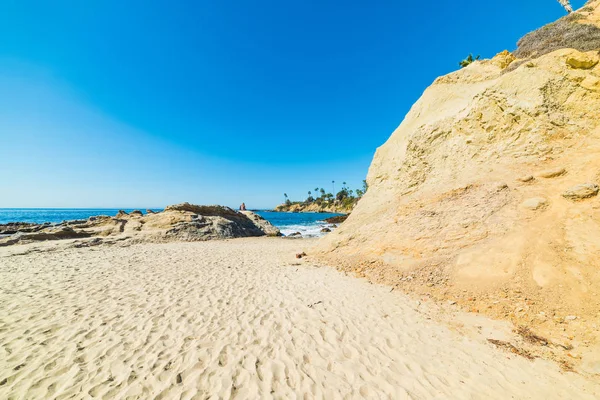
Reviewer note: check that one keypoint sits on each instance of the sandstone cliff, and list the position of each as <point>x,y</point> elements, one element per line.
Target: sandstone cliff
<point>486,194</point>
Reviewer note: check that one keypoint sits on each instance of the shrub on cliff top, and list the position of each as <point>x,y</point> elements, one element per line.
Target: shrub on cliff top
<point>564,33</point>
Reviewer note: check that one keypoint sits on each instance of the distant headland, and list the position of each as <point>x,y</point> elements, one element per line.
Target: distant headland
<point>323,202</point>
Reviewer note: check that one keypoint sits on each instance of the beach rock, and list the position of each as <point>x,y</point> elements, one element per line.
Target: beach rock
<point>534,203</point>
<point>325,230</point>
<point>553,173</point>
<point>182,222</point>
<point>88,243</point>
<point>216,222</point>
<point>295,234</point>
<point>503,59</point>
<point>581,192</point>
<point>48,233</point>
<point>14,227</point>
<point>214,210</point>
<point>580,60</point>
<point>262,223</point>
<point>526,178</point>
<point>148,211</point>
<point>336,220</point>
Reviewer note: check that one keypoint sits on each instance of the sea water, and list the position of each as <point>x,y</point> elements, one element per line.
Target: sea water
<point>308,224</point>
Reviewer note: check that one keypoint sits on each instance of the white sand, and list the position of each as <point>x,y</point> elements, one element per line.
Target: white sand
<point>235,319</point>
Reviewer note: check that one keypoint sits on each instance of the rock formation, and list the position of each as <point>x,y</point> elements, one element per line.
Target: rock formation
<point>314,207</point>
<point>486,194</point>
<point>184,221</point>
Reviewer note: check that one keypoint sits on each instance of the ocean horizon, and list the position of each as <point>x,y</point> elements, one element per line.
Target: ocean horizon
<point>308,224</point>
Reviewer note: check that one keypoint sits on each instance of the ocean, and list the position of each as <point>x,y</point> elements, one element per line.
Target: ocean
<point>308,224</point>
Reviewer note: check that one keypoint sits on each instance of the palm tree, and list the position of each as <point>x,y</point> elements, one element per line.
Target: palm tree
<point>567,5</point>
<point>468,61</point>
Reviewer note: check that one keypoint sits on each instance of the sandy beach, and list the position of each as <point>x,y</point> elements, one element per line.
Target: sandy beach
<point>240,319</point>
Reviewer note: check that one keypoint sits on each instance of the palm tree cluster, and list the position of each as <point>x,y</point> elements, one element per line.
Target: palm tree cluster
<point>345,197</point>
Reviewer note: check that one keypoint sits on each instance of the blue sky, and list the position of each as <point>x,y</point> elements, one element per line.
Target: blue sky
<point>143,104</point>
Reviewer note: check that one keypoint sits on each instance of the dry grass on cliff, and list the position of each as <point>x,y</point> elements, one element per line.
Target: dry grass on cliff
<point>567,32</point>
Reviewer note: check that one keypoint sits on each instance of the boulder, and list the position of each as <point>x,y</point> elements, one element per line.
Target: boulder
<point>262,223</point>
<point>579,60</point>
<point>581,192</point>
<point>553,173</point>
<point>336,220</point>
<point>526,178</point>
<point>325,230</point>
<point>503,59</point>
<point>534,203</point>
<point>137,213</point>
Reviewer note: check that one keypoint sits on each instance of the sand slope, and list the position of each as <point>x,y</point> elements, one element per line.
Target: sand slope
<point>236,319</point>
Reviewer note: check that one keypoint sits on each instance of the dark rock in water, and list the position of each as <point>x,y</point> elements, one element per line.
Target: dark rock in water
<point>325,230</point>
<point>136,212</point>
<point>295,234</point>
<point>150,212</point>
<point>336,220</point>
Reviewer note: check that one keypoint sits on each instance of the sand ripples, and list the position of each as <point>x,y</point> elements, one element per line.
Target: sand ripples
<point>234,320</point>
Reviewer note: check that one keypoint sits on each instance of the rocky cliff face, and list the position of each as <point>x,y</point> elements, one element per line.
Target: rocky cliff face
<point>486,194</point>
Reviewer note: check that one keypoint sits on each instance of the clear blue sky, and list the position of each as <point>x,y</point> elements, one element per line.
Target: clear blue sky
<point>147,103</point>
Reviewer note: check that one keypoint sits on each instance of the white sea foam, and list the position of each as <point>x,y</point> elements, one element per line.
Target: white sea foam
<point>307,230</point>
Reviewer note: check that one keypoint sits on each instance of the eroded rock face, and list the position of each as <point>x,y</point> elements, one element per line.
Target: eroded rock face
<point>185,222</point>
<point>582,60</point>
<point>535,203</point>
<point>434,211</point>
<point>581,192</point>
